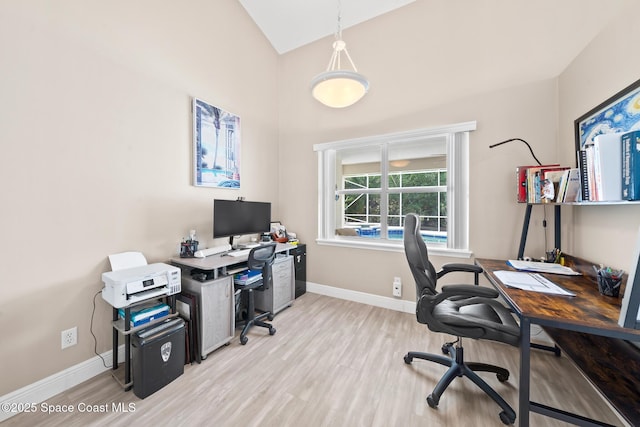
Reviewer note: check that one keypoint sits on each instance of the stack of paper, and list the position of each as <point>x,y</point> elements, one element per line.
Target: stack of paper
<point>247,277</point>
<point>530,282</point>
<point>542,267</point>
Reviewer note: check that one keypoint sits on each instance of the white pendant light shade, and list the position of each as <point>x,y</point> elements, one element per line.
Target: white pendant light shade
<point>340,88</point>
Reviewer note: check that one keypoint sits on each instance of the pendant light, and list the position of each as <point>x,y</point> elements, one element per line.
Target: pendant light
<point>338,87</point>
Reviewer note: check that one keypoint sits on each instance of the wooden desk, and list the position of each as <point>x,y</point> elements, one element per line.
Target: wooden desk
<point>588,320</point>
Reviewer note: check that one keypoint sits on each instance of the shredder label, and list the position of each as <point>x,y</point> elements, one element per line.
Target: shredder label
<point>165,351</point>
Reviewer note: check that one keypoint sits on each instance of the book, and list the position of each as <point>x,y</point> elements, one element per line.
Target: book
<point>521,183</point>
<point>146,313</point>
<point>630,164</point>
<point>607,151</point>
<point>573,188</point>
<point>584,184</point>
<point>562,186</point>
<point>552,178</point>
<point>530,178</point>
<point>247,277</point>
<point>590,173</point>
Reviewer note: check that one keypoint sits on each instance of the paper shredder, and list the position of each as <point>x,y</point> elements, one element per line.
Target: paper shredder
<point>158,356</point>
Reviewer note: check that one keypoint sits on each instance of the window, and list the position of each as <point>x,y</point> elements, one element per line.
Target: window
<point>368,185</point>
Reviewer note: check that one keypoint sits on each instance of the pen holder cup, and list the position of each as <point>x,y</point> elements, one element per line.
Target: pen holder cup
<point>608,285</point>
<point>188,248</point>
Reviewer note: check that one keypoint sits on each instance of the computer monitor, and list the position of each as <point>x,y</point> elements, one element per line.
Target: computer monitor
<point>237,217</point>
<point>629,311</point>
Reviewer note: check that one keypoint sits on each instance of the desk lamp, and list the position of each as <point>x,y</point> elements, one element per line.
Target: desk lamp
<point>544,220</point>
<point>518,139</point>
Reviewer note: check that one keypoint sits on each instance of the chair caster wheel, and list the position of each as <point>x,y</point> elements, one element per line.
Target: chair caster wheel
<point>445,348</point>
<point>506,419</point>
<point>502,377</point>
<point>272,331</point>
<point>243,340</point>
<point>270,318</point>
<point>408,359</point>
<point>432,402</point>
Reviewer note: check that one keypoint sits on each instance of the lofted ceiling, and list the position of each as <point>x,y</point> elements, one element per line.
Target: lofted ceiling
<point>289,24</point>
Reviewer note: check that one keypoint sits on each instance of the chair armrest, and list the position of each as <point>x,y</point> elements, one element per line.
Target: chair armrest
<point>461,267</point>
<point>452,291</point>
<point>469,291</point>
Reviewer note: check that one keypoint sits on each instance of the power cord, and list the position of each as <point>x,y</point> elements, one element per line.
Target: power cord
<point>95,340</point>
<point>544,228</point>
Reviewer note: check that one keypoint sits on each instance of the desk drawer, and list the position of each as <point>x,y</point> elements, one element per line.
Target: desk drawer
<point>282,292</point>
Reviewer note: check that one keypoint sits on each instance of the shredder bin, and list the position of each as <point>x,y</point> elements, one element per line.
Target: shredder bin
<point>158,356</point>
<point>299,254</point>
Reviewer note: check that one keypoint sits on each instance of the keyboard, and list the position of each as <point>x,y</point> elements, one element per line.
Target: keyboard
<point>203,253</point>
<point>241,252</point>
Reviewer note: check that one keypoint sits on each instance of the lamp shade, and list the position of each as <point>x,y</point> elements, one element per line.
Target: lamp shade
<point>339,88</point>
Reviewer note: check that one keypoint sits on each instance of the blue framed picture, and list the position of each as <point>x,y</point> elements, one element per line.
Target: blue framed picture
<point>216,146</point>
<point>620,113</point>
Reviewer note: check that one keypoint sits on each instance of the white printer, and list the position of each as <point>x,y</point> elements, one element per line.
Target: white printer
<point>131,285</point>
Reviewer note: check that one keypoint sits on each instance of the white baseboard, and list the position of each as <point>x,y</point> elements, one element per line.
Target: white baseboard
<point>364,298</point>
<point>46,388</point>
<point>537,333</point>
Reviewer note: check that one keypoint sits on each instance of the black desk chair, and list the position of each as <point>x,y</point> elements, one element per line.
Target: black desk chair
<point>461,310</point>
<point>260,258</point>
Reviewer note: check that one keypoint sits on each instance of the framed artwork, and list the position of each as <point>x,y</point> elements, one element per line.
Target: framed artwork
<point>620,113</point>
<point>216,146</point>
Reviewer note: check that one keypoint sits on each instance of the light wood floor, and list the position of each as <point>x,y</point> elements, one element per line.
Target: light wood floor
<point>331,363</point>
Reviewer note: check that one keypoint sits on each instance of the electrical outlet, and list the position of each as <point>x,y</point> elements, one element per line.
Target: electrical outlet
<point>397,287</point>
<point>69,337</point>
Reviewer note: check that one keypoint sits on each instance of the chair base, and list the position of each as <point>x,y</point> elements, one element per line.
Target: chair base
<point>256,321</point>
<point>458,368</point>
<point>253,320</point>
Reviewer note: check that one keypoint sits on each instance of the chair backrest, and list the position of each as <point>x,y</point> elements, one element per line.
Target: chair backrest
<point>424,274</point>
<point>262,257</point>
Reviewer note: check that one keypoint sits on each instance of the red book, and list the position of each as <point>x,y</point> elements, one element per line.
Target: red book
<point>521,180</point>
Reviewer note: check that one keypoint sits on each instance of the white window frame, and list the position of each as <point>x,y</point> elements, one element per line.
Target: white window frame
<point>457,137</point>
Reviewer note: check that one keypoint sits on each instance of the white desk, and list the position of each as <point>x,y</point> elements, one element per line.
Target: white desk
<point>217,301</point>
<point>219,263</point>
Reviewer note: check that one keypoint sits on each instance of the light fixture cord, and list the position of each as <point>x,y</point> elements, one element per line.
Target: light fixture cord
<point>338,39</point>
<point>339,29</point>
<point>335,63</point>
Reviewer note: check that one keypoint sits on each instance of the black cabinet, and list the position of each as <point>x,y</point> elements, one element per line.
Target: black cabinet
<point>299,254</point>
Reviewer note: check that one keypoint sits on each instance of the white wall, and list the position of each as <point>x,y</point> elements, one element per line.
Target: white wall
<point>494,64</point>
<point>602,234</point>
<point>95,127</point>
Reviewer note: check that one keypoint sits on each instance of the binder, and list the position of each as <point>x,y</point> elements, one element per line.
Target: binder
<point>630,165</point>
<point>584,183</point>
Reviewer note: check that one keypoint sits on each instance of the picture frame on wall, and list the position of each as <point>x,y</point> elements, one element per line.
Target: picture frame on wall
<point>216,146</point>
<point>619,113</point>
